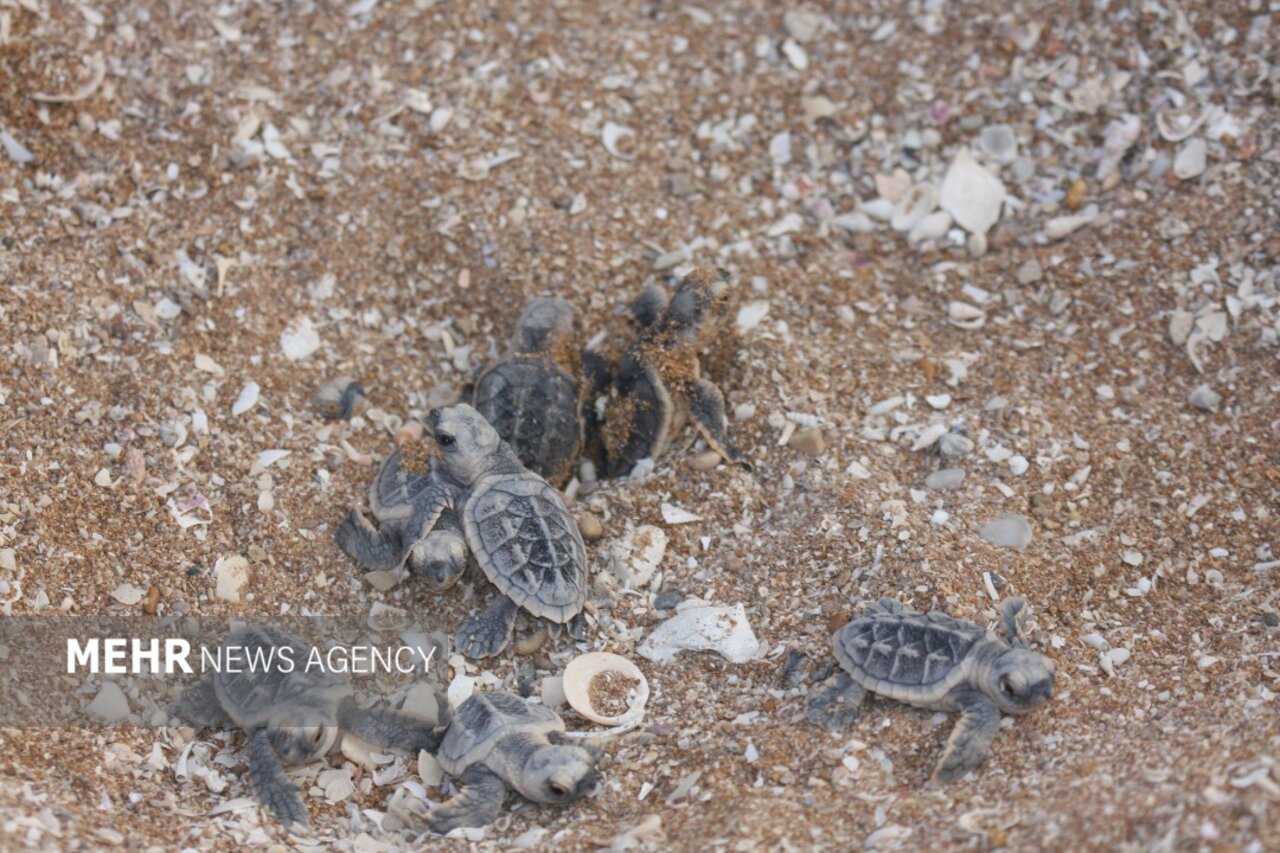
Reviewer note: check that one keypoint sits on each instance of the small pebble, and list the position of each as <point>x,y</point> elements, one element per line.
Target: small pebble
<point>668,600</point>
<point>955,446</point>
<point>1205,399</point>
<point>944,478</point>
<point>1029,272</point>
<point>1008,531</point>
<point>590,527</point>
<point>809,441</point>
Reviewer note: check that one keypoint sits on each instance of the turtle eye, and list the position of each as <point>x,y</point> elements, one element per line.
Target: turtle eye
<point>445,439</point>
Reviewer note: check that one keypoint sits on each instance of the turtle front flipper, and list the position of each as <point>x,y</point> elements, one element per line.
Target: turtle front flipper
<point>377,550</point>
<point>971,738</point>
<point>485,634</point>
<point>477,804</point>
<point>199,704</point>
<point>274,790</point>
<point>837,704</point>
<point>706,404</point>
<point>648,306</point>
<point>1013,613</point>
<point>387,727</point>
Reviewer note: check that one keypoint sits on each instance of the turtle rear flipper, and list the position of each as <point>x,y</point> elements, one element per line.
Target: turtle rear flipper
<point>706,404</point>
<point>387,727</point>
<point>199,704</point>
<point>484,635</point>
<point>375,549</point>
<point>971,738</point>
<point>478,803</point>
<point>276,793</point>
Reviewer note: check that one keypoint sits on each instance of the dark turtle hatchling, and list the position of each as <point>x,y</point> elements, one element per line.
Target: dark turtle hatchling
<point>497,741</point>
<point>291,713</point>
<point>467,493</point>
<point>533,397</point>
<point>658,381</point>
<point>934,661</point>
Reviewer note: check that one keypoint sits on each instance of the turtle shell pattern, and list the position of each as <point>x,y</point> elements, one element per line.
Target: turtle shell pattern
<point>483,719</point>
<point>909,656</point>
<point>533,404</point>
<point>528,544</point>
<point>272,677</point>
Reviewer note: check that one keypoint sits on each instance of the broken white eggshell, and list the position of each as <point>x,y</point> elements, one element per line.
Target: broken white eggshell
<point>583,669</point>
<point>704,627</point>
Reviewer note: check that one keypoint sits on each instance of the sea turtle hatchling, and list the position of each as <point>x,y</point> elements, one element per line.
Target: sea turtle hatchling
<point>934,661</point>
<point>293,713</point>
<point>498,741</point>
<point>534,396</point>
<point>463,492</point>
<point>658,381</point>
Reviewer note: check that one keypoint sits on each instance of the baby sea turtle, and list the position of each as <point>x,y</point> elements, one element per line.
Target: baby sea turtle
<point>533,397</point>
<point>498,741</point>
<point>658,381</point>
<point>934,661</point>
<point>461,492</point>
<point>291,712</point>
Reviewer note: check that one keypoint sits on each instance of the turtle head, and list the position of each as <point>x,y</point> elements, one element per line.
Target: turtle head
<point>1020,680</point>
<point>543,321</point>
<point>701,301</point>
<point>467,443</point>
<point>301,735</point>
<point>559,773</point>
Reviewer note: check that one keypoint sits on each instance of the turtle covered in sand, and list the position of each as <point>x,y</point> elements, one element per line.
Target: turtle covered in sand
<point>658,383</point>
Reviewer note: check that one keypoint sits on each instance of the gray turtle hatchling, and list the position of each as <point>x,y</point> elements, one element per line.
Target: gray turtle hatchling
<point>934,661</point>
<point>463,492</point>
<point>498,741</point>
<point>291,713</point>
<point>533,397</point>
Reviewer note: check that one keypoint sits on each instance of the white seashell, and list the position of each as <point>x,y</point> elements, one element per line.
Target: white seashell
<point>965,316</point>
<point>110,705</point>
<point>750,315</point>
<point>1191,160</point>
<point>1177,125</point>
<point>999,143</point>
<point>724,630</point>
<point>585,669</point>
<point>231,574</point>
<point>635,558</point>
<point>1063,226</point>
<point>880,209</point>
<point>612,135</point>
<point>127,593</point>
<point>17,152</point>
<point>247,400</point>
<point>931,227</point>
<point>918,203</point>
<point>971,194</point>
<point>299,339</point>
<point>672,514</point>
<point>795,55</point>
<point>855,222</point>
